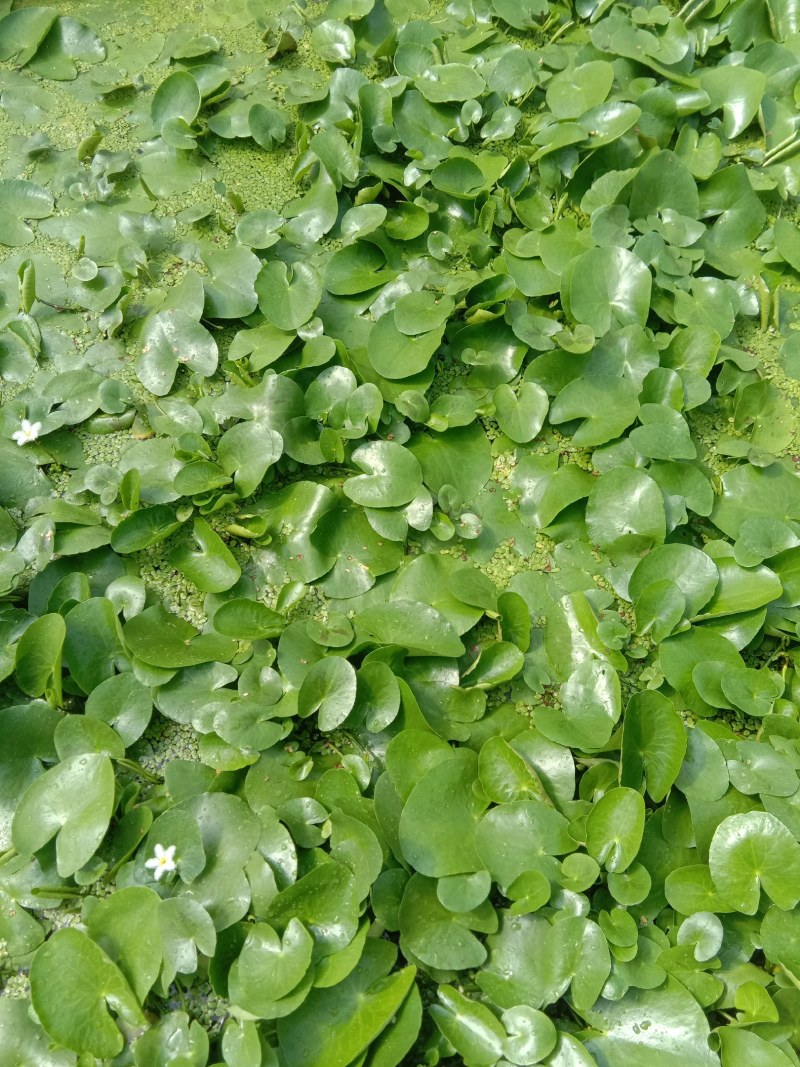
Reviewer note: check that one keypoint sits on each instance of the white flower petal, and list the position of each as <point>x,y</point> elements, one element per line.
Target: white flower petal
<point>28,431</point>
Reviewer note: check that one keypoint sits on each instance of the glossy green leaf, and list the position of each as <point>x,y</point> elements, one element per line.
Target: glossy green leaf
<point>609,287</point>
<point>755,851</point>
<point>335,1026</point>
<point>438,841</point>
<point>211,566</point>
<point>21,200</point>
<point>83,1023</point>
<point>73,800</point>
<point>614,828</point>
<point>653,745</point>
<point>329,688</point>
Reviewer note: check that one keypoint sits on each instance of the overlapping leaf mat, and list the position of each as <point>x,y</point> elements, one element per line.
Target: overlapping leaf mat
<point>399,534</point>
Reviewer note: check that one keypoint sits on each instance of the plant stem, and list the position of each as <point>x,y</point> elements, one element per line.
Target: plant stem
<point>781,152</point>
<point>562,30</point>
<point>776,308</point>
<point>137,768</point>
<point>57,891</point>
<point>764,302</point>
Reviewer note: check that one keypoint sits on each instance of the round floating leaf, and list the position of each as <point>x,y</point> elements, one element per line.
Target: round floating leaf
<point>161,639</point>
<point>460,457</point>
<point>787,242</point>
<point>780,937</point>
<point>512,838</point>
<point>169,339</point>
<point>269,967</point>
<point>666,1025</point>
<point>22,1041</point>
<point>609,287</point>
<point>185,927</point>
<point>247,451</point>
<point>259,229</point>
<point>329,688</point>
<point>177,97</point>
<point>38,658</point>
<point>630,887</point>
<point>654,744</point>
<point>463,892</point>
<point>19,200</point>
<point>504,774</point>
<point>288,296</point>
<point>571,93</point>
<point>705,932</point>
<point>690,889</point>
<point>590,706</point>
<point>436,835</point>
<point>438,937</point>
<point>144,528</point>
<point>520,416</point>
<point>73,800</point>
<point>378,695</point>
<point>22,32</point>
<point>469,1026</point>
<point>744,1046</point>
<point>417,313</point>
<point>334,41</point>
<point>174,1039</point>
<point>394,354</point>
<point>268,128</point>
<point>211,566</point>
<point>691,570</point>
<point>392,475</point>
<point>664,182</point>
<point>68,40</point>
<point>125,926</point>
<point>680,654</point>
<point>741,589</point>
<point>703,772</point>
<point>458,177</point>
<point>441,82</point>
<point>531,1035</point>
<point>74,736</point>
<point>335,1025</point>
<point>752,691</point>
<point>614,828</point>
<point>324,901</point>
<point>625,512</point>
<point>752,851</point>
<point>352,554</point>
<point>737,92</point>
<point>83,1021</point>
<point>419,628</point>
<point>248,620</point>
<point>230,286</point>
<point>750,492</point>
<point>761,538</point>
<point>356,269</point>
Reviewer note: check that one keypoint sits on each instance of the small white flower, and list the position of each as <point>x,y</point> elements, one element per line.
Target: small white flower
<point>163,862</point>
<point>27,432</point>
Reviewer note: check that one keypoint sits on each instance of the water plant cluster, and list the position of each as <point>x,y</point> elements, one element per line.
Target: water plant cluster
<point>399,533</point>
